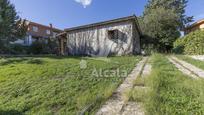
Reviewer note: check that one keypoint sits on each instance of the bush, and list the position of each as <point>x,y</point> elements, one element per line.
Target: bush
<point>41,47</point>
<point>18,49</point>
<point>14,49</point>
<point>37,47</point>
<point>192,44</point>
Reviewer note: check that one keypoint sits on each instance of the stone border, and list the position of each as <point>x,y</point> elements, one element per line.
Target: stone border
<point>135,108</point>
<point>198,57</point>
<point>187,68</point>
<point>115,104</point>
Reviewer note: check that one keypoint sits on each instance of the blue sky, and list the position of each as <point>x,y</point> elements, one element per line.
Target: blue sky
<point>69,13</point>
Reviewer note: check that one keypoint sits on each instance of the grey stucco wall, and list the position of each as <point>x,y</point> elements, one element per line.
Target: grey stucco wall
<point>95,41</point>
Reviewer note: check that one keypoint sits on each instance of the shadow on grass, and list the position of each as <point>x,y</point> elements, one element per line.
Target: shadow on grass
<point>11,61</point>
<point>35,61</point>
<point>20,60</point>
<point>40,56</point>
<point>10,112</point>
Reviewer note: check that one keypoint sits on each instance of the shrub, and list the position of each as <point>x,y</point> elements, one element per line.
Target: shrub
<point>18,49</point>
<point>37,47</point>
<point>41,47</point>
<point>192,44</point>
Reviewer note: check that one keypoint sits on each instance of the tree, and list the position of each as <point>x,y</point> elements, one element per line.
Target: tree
<point>161,25</point>
<point>11,26</point>
<point>162,22</point>
<point>178,6</point>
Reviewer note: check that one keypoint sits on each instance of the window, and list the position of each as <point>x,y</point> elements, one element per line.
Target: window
<point>26,41</point>
<point>54,34</point>
<point>113,34</point>
<point>35,29</point>
<point>48,32</point>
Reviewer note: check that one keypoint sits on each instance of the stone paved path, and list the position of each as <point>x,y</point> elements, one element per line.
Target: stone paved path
<point>183,69</point>
<point>147,70</point>
<point>115,104</point>
<point>198,57</point>
<point>135,108</point>
<point>187,68</point>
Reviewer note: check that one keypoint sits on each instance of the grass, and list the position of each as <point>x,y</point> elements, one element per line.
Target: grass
<point>198,63</point>
<point>53,85</point>
<point>173,92</point>
<point>139,92</point>
<point>170,92</point>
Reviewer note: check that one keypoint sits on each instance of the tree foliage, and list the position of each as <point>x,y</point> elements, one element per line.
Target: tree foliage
<point>162,22</point>
<point>11,26</point>
<point>192,44</point>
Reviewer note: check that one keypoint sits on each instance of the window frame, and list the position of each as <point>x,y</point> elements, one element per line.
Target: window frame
<point>113,34</point>
<point>35,28</point>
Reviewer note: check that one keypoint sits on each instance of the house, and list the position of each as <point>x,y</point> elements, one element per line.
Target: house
<point>37,32</point>
<point>114,37</point>
<point>199,25</point>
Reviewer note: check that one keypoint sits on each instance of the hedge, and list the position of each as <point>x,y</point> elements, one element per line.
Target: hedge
<point>191,44</point>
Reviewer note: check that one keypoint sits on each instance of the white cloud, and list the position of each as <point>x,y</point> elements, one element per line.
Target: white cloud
<point>85,3</point>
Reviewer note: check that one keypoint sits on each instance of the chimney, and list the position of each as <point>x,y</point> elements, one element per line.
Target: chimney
<point>51,29</point>
<point>51,25</point>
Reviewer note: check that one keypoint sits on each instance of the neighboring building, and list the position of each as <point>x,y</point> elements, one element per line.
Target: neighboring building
<point>199,25</point>
<point>115,37</point>
<point>38,32</point>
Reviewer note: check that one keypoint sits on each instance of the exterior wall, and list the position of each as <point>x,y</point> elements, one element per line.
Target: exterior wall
<point>41,30</point>
<point>202,26</point>
<point>41,34</point>
<point>95,41</point>
<point>199,26</point>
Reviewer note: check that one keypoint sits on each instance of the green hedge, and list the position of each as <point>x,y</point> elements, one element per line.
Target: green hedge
<point>192,44</point>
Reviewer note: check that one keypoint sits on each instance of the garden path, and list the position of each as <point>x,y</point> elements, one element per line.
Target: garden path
<point>115,104</point>
<point>135,108</point>
<point>187,68</point>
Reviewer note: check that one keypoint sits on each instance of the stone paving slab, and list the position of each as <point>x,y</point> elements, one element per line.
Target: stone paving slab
<point>147,70</point>
<point>191,67</point>
<point>198,57</point>
<point>183,69</point>
<point>133,108</point>
<point>115,104</point>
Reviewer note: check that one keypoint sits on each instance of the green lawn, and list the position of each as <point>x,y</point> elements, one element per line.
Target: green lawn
<point>170,91</point>
<point>198,63</point>
<point>52,85</point>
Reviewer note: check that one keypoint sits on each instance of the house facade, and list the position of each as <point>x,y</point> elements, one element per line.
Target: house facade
<point>199,25</point>
<point>36,32</point>
<point>114,37</point>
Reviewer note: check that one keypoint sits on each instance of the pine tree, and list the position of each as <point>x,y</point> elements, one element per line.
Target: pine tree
<point>11,26</point>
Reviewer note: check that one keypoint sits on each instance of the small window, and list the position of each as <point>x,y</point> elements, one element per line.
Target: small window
<point>35,29</point>
<point>48,32</point>
<point>113,34</point>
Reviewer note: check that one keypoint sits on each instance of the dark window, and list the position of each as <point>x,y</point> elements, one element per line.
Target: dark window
<point>113,34</point>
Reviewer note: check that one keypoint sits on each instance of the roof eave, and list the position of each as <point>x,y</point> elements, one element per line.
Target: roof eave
<point>101,23</point>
